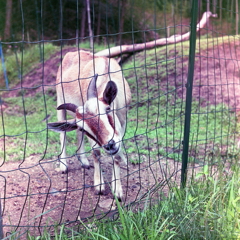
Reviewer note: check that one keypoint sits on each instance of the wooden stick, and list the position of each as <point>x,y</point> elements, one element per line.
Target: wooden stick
<point>115,51</point>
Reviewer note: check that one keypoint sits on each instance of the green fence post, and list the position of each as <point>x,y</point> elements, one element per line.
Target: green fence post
<point>188,107</point>
<point>4,66</point>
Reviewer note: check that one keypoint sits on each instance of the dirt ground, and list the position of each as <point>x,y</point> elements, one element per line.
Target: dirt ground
<point>217,75</point>
<point>38,195</point>
<point>35,194</point>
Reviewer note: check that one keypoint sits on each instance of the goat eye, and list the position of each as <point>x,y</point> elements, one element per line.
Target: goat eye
<point>108,109</point>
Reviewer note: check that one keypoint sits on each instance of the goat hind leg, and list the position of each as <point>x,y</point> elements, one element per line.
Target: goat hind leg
<point>63,156</point>
<point>61,115</point>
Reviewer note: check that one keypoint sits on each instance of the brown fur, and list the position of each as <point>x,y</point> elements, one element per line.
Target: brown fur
<point>75,74</point>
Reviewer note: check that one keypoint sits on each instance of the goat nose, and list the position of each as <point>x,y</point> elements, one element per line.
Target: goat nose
<point>112,148</point>
<point>110,145</point>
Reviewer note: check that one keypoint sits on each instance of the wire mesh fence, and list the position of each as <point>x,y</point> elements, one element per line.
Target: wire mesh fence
<point>183,111</point>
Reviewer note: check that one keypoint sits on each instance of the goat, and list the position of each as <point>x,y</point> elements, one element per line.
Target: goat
<point>93,90</point>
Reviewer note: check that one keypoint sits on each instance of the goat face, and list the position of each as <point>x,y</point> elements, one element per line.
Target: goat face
<point>96,118</point>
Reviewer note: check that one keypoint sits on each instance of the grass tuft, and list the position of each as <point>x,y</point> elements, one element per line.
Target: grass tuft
<point>208,208</point>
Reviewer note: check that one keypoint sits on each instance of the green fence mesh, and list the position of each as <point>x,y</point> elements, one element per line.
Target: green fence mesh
<point>181,61</point>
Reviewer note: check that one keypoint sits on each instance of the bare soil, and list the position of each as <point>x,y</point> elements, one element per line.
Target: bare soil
<point>35,194</point>
<point>217,75</point>
<point>43,75</point>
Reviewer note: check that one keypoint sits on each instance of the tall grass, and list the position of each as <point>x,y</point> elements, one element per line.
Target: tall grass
<point>208,208</point>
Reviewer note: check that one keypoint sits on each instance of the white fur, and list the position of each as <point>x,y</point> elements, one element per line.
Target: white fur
<point>73,78</point>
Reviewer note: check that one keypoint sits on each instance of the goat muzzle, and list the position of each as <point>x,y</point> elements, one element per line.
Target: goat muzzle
<point>111,148</point>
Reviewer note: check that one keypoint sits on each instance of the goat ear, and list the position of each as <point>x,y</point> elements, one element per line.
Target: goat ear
<point>63,126</point>
<point>68,106</point>
<point>92,88</point>
<point>110,92</point>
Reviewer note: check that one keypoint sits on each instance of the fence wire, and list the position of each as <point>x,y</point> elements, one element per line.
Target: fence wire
<point>35,195</point>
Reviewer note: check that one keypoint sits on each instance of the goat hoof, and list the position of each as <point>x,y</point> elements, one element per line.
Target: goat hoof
<point>118,198</point>
<point>85,166</point>
<point>63,169</point>
<point>100,192</point>
<point>97,192</point>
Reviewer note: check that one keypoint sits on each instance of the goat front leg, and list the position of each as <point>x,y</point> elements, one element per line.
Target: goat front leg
<point>98,177</point>
<point>63,156</point>
<point>116,178</point>
<point>81,151</point>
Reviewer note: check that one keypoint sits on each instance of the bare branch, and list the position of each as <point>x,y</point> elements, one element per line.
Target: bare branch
<point>115,51</point>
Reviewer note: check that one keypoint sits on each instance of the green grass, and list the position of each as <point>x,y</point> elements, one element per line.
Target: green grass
<point>156,117</point>
<point>24,59</point>
<point>23,126</point>
<point>208,208</point>
<point>25,129</point>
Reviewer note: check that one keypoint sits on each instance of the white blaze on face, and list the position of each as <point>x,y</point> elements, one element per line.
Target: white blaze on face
<point>102,126</point>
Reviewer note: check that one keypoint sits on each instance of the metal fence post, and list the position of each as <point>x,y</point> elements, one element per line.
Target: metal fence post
<point>3,66</point>
<point>189,84</point>
<point>1,222</point>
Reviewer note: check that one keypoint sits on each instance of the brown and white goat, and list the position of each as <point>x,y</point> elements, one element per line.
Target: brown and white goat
<point>94,91</point>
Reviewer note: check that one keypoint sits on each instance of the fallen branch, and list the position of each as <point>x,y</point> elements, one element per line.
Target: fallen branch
<point>115,51</point>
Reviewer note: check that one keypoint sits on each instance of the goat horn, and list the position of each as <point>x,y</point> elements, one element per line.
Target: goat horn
<point>68,106</point>
<point>92,88</point>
